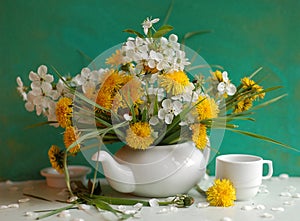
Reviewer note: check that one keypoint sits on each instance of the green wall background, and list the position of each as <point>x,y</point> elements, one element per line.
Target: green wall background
<point>245,36</point>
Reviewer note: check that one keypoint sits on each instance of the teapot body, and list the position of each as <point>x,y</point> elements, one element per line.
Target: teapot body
<point>160,171</point>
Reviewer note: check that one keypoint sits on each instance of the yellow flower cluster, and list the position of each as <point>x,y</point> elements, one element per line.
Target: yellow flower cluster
<point>199,135</point>
<point>252,91</point>
<point>222,193</point>
<point>130,93</point>
<point>71,136</point>
<point>139,135</point>
<point>63,111</point>
<point>206,109</point>
<point>56,158</point>
<point>174,82</point>
<point>217,76</point>
<point>109,88</point>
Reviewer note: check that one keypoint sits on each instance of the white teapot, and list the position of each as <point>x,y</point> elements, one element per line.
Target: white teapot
<point>159,171</point>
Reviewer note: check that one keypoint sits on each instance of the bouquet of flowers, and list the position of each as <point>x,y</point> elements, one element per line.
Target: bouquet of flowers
<point>148,93</point>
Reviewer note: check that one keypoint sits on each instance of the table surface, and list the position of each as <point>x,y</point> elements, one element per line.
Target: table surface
<point>277,200</point>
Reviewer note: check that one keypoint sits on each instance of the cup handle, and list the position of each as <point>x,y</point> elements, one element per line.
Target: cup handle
<point>270,173</point>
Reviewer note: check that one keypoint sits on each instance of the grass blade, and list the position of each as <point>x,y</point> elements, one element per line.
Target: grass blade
<point>257,136</point>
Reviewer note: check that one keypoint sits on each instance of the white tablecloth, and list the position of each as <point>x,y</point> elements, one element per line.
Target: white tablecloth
<point>277,201</point>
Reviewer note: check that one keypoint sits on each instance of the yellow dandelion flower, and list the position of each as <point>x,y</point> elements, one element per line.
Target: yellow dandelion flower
<point>250,84</point>
<point>259,90</point>
<point>139,135</point>
<point>247,83</point>
<point>207,108</point>
<point>111,85</point>
<point>115,59</point>
<point>56,158</point>
<point>63,111</point>
<point>222,193</point>
<point>130,93</point>
<point>243,105</point>
<point>71,135</point>
<point>199,135</point>
<point>174,82</point>
<point>217,75</point>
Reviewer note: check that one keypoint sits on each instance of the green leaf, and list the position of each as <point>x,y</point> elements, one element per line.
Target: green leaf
<point>262,138</point>
<point>55,211</point>
<point>255,72</point>
<point>162,31</point>
<point>104,206</point>
<point>144,115</point>
<point>156,106</point>
<point>41,124</point>
<point>193,33</point>
<point>169,12</point>
<point>131,31</point>
<point>88,58</point>
<point>268,102</point>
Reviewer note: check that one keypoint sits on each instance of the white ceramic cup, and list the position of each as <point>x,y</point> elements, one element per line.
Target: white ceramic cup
<point>244,171</point>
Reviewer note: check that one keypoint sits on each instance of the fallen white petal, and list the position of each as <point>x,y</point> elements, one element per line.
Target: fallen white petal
<point>121,207</point>
<point>285,194</point>
<point>247,207</point>
<point>24,200</point>
<point>202,205</point>
<point>138,205</point>
<point>260,207</point>
<point>296,195</point>
<point>288,203</point>
<point>3,207</point>
<point>30,214</point>
<point>14,205</point>
<point>267,215</point>
<point>72,199</point>
<point>284,176</point>
<point>277,209</point>
<point>225,219</point>
<point>153,203</point>
<point>84,207</point>
<point>130,211</point>
<point>64,214</point>
<point>77,219</point>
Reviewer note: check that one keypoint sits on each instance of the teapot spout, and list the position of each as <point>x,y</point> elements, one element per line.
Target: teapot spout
<point>119,176</point>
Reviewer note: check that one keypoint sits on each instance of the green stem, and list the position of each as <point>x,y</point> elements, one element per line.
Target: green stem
<point>56,211</point>
<point>67,175</point>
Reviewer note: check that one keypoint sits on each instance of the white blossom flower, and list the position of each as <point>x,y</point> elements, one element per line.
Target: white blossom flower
<point>127,117</point>
<point>153,120</point>
<point>62,90</point>
<point>43,101</point>
<point>169,110</point>
<point>157,92</point>
<point>41,79</point>
<point>21,88</point>
<point>225,86</point>
<point>188,95</point>
<point>148,23</point>
<point>87,79</point>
